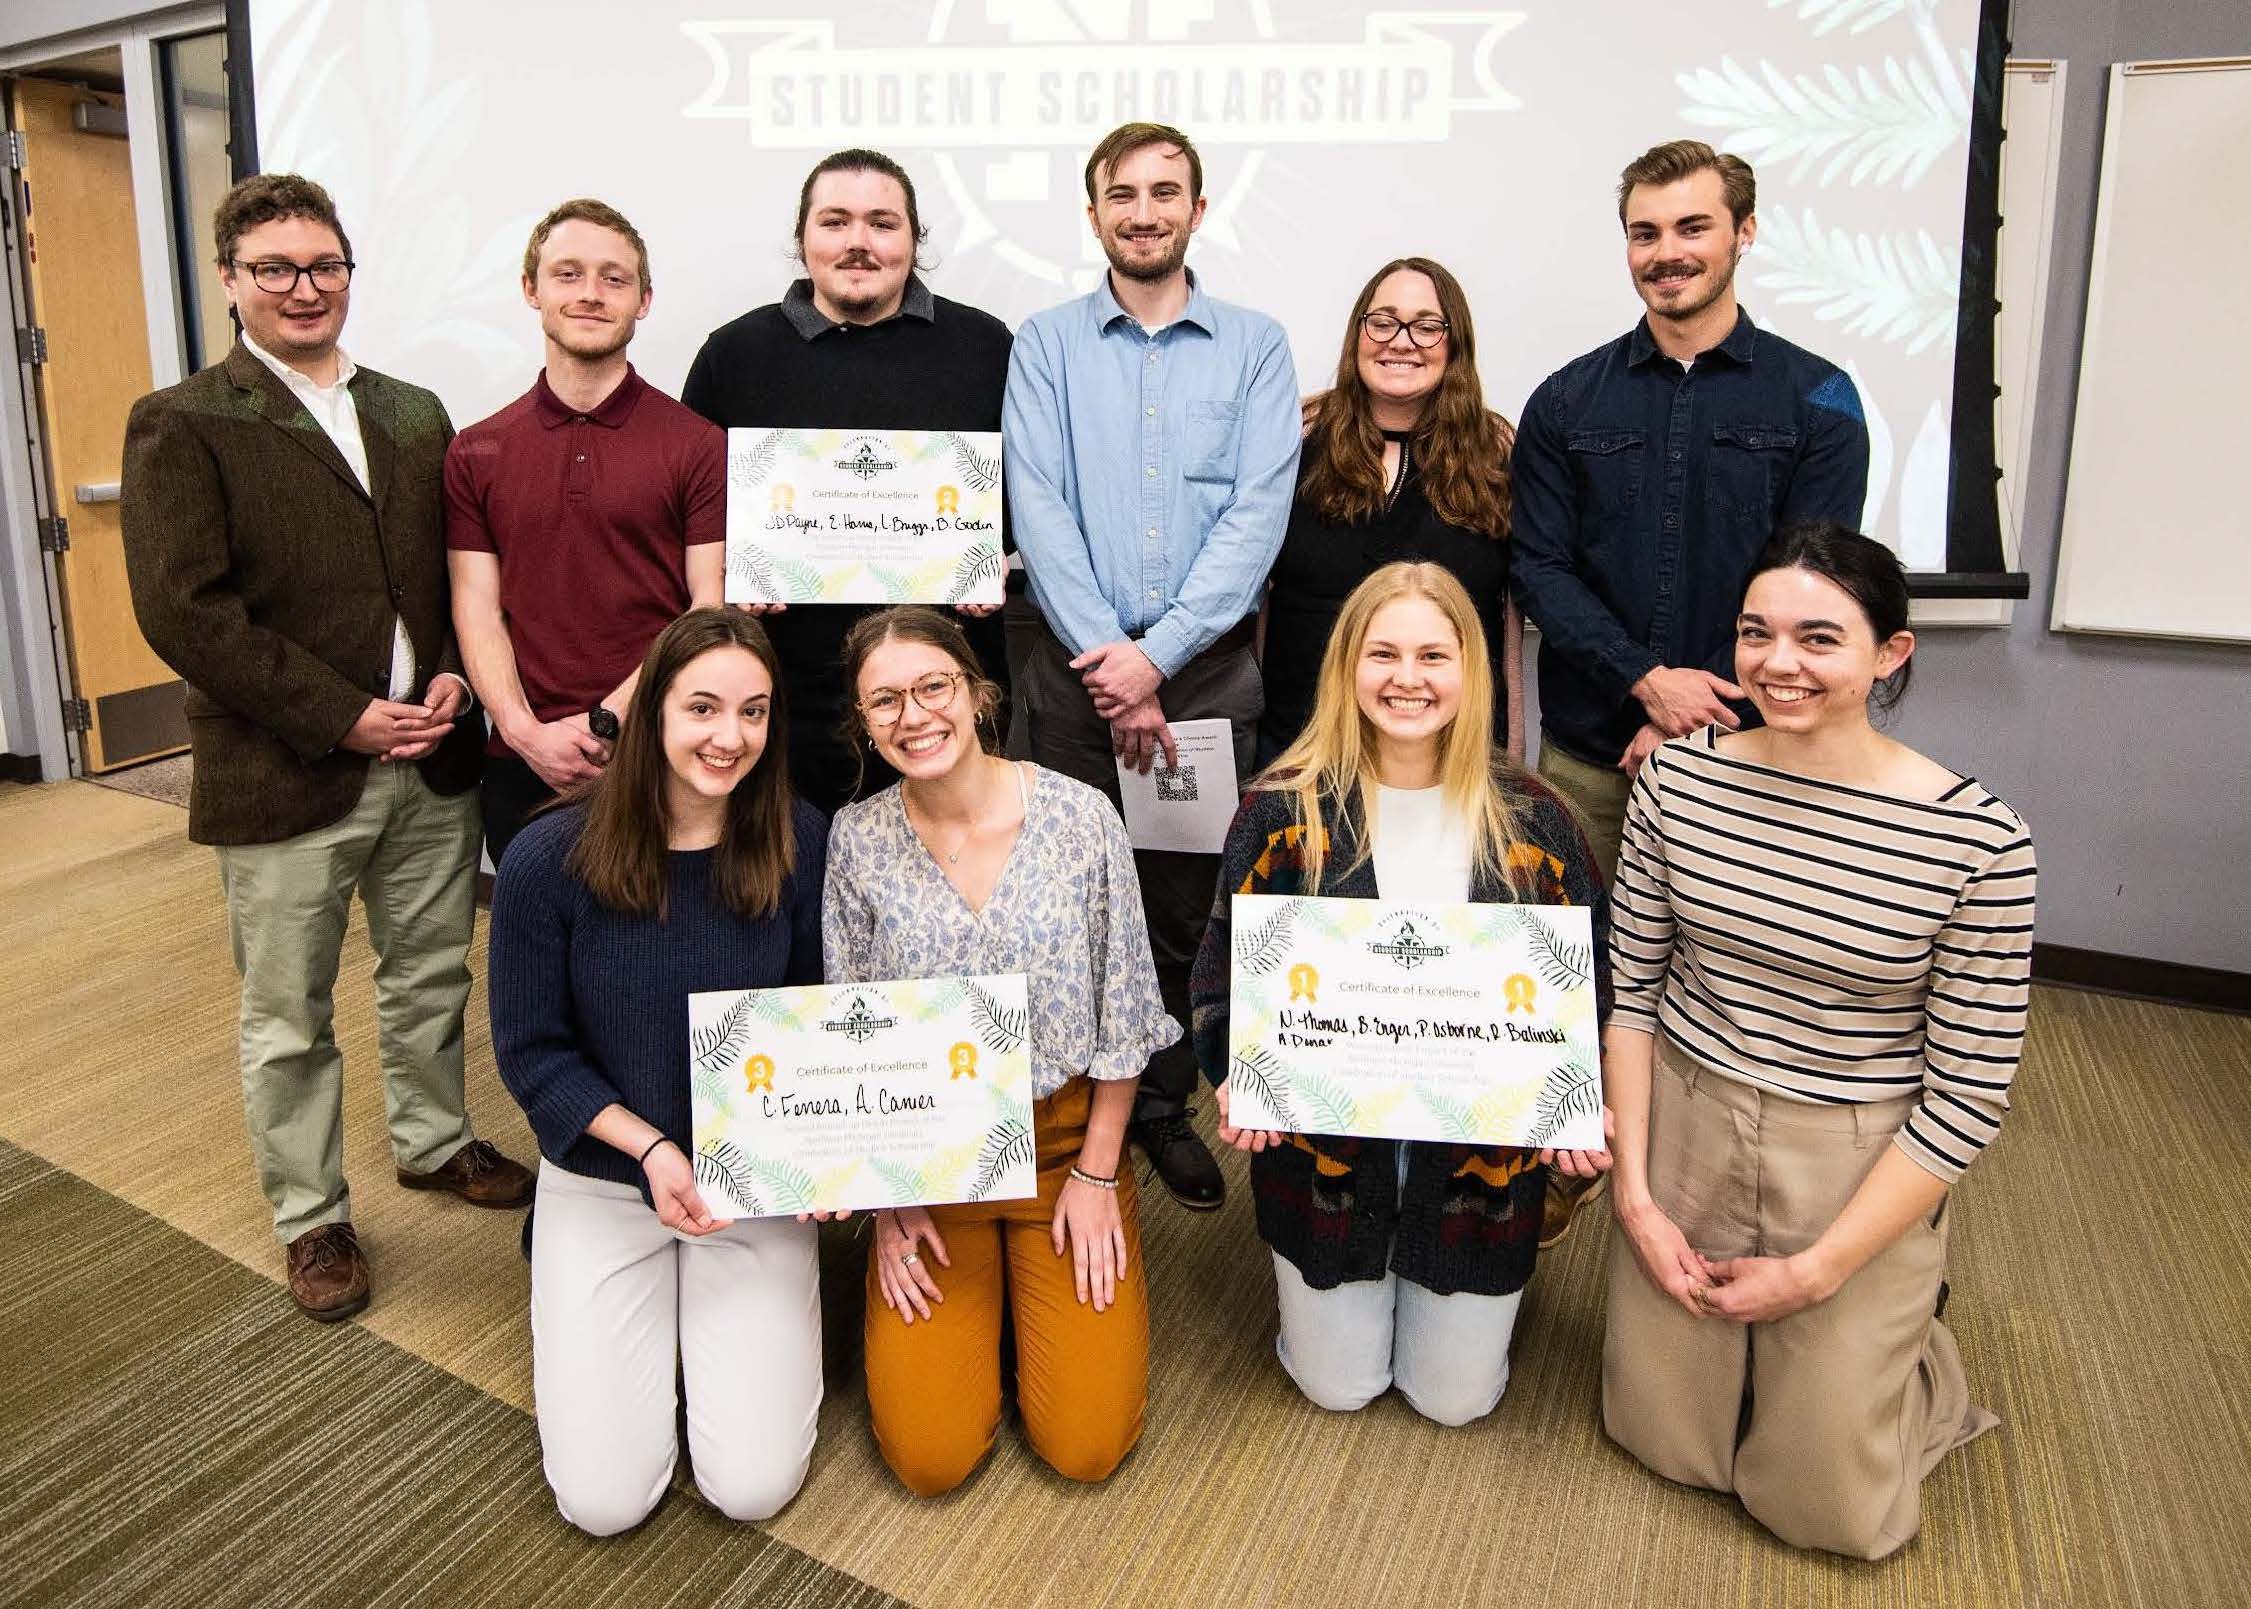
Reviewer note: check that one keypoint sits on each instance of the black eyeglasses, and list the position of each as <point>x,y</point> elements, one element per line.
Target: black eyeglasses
<point>279,278</point>
<point>934,692</point>
<point>1383,329</point>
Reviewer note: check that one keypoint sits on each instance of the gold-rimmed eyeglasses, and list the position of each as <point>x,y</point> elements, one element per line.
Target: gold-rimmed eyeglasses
<point>934,692</point>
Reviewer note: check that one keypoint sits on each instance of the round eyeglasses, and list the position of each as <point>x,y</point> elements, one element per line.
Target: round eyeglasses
<point>934,692</point>
<point>1383,329</point>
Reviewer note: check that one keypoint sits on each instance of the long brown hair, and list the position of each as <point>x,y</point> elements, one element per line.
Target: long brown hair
<point>620,856</point>
<point>915,623</point>
<point>1334,758</point>
<point>1461,447</point>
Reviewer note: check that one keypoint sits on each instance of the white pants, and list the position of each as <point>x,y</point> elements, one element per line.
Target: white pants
<point>620,1306</point>
<point>1345,1347</point>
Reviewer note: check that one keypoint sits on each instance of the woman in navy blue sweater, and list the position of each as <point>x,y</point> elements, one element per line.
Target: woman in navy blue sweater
<point>686,866</point>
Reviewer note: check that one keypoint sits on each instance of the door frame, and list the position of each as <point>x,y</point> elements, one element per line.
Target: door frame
<point>33,681</point>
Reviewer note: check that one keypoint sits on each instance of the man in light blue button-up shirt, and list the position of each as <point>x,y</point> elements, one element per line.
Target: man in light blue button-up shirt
<point>1152,436</point>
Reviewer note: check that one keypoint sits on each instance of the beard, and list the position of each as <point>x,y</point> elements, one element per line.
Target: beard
<point>1716,284</point>
<point>1148,268</point>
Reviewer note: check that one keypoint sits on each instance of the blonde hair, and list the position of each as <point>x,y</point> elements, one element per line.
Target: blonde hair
<point>1334,758</point>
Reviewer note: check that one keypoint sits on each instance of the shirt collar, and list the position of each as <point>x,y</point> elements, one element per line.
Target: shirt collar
<point>615,408</point>
<point>811,323</point>
<point>1741,342</point>
<point>1198,312</point>
<point>298,381</point>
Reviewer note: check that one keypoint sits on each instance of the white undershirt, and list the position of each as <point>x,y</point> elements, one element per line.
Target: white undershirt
<point>333,410</point>
<point>1423,850</point>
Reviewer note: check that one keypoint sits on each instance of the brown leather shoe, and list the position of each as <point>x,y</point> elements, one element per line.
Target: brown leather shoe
<point>328,1273</point>
<point>1566,1195</point>
<point>479,1175</point>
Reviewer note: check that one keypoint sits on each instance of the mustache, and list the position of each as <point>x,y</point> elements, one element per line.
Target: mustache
<point>1654,270</point>
<point>857,259</point>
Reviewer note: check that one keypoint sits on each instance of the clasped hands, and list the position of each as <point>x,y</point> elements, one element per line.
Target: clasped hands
<point>1743,1290</point>
<point>394,731</point>
<point>1122,681</point>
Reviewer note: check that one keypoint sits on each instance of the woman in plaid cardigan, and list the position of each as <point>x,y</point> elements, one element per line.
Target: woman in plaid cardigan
<point>1397,1262</point>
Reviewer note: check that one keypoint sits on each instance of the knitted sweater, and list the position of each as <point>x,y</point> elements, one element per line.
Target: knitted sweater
<point>590,1005</point>
<point>1468,1217</point>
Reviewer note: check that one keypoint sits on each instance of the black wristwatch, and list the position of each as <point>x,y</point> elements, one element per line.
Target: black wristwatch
<point>602,723</point>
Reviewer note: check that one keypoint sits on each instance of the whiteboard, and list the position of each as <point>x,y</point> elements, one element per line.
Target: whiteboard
<point>2156,537</point>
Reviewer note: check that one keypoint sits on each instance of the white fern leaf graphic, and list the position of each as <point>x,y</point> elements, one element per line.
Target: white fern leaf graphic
<point>1900,289</point>
<point>1858,16</point>
<point>1860,125</point>
<point>747,564</point>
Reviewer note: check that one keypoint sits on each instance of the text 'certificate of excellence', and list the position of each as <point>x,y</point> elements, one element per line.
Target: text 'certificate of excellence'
<point>861,1095</point>
<point>863,516</point>
<point>1470,1023</point>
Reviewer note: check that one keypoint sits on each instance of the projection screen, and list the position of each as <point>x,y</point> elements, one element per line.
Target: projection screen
<point>1335,136</point>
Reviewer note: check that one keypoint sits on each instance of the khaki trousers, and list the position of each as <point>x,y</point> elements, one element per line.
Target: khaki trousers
<point>412,854</point>
<point>1600,792</point>
<point>1082,1377</point>
<point>1823,1423</point>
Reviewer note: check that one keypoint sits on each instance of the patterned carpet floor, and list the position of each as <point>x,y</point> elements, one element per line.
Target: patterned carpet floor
<point>172,1432</point>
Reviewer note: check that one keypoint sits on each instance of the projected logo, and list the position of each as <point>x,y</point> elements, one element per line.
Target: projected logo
<point>1009,105</point>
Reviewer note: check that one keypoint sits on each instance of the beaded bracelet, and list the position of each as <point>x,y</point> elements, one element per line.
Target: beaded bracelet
<point>1094,1179</point>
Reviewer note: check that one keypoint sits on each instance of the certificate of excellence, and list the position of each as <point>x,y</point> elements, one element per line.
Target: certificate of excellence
<point>863,516</point>
<point>857,1095</point>
<point>1469,1023</point>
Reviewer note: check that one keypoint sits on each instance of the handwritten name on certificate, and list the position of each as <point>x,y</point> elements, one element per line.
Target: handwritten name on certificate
<point>1471,1023</point>
<point>861,1095</point>
<point>863,516</point>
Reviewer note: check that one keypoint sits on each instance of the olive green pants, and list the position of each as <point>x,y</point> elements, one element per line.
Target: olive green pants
<point>413,857</point>
<point>1599,792</point>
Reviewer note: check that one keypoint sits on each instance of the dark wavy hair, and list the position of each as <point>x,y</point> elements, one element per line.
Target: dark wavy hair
<point>620,856</point>
<point>1461,447</point>
<point>1860,567</point>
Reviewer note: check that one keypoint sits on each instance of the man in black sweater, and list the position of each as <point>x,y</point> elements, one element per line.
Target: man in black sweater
<point>860,343</point>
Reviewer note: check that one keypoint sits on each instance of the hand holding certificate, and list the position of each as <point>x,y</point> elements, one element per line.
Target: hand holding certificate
<point>867,516</point>
<point>1469,1023</point>
<point>845,1096</point>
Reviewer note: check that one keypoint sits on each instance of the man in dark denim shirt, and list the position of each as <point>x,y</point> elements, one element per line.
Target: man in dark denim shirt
<point>1648,475</point>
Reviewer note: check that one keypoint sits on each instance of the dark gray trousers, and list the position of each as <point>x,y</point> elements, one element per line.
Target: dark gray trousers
<point>1054,724</point>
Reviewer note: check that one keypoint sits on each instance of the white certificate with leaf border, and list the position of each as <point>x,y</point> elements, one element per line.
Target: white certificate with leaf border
<point>1386,1019</point>
<point>863,516</point>
<point>857,1095</point>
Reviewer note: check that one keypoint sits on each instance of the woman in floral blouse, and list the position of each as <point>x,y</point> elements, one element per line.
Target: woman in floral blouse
<point>973,865</point>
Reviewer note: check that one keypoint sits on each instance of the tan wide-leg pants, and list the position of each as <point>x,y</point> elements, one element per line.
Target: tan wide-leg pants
<point>1823,1423</point>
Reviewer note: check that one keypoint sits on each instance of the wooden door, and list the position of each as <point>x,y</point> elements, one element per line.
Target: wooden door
<point>82,257</point>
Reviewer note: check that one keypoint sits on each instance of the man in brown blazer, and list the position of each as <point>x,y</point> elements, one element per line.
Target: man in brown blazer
<point>284,532</point>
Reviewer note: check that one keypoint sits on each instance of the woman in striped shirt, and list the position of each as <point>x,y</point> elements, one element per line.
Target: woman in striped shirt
<point>1821,951</point>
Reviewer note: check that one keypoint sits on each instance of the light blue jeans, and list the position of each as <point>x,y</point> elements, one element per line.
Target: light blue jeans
<point>1448,1355</point>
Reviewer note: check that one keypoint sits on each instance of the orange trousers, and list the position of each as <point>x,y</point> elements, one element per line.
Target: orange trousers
<point>1082,1377</point>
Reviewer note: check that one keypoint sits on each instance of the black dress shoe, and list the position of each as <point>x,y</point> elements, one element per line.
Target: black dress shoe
<point>1181,1160</point>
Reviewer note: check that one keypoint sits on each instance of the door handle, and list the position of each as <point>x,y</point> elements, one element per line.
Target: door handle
<point>96,492</point>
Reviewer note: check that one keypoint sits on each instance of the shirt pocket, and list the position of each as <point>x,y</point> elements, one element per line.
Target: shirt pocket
<point>1749,466</point>
<point>1606,465</point>
<point>1208,443</point>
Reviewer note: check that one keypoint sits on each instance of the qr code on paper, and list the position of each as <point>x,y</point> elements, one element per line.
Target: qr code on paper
<point>1176,784</point>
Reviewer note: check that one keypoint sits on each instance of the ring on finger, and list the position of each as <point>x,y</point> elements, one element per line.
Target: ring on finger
<point>910,1259</point>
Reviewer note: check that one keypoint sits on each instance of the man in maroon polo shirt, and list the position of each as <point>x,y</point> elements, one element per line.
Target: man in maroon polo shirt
<point>581,519</point>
